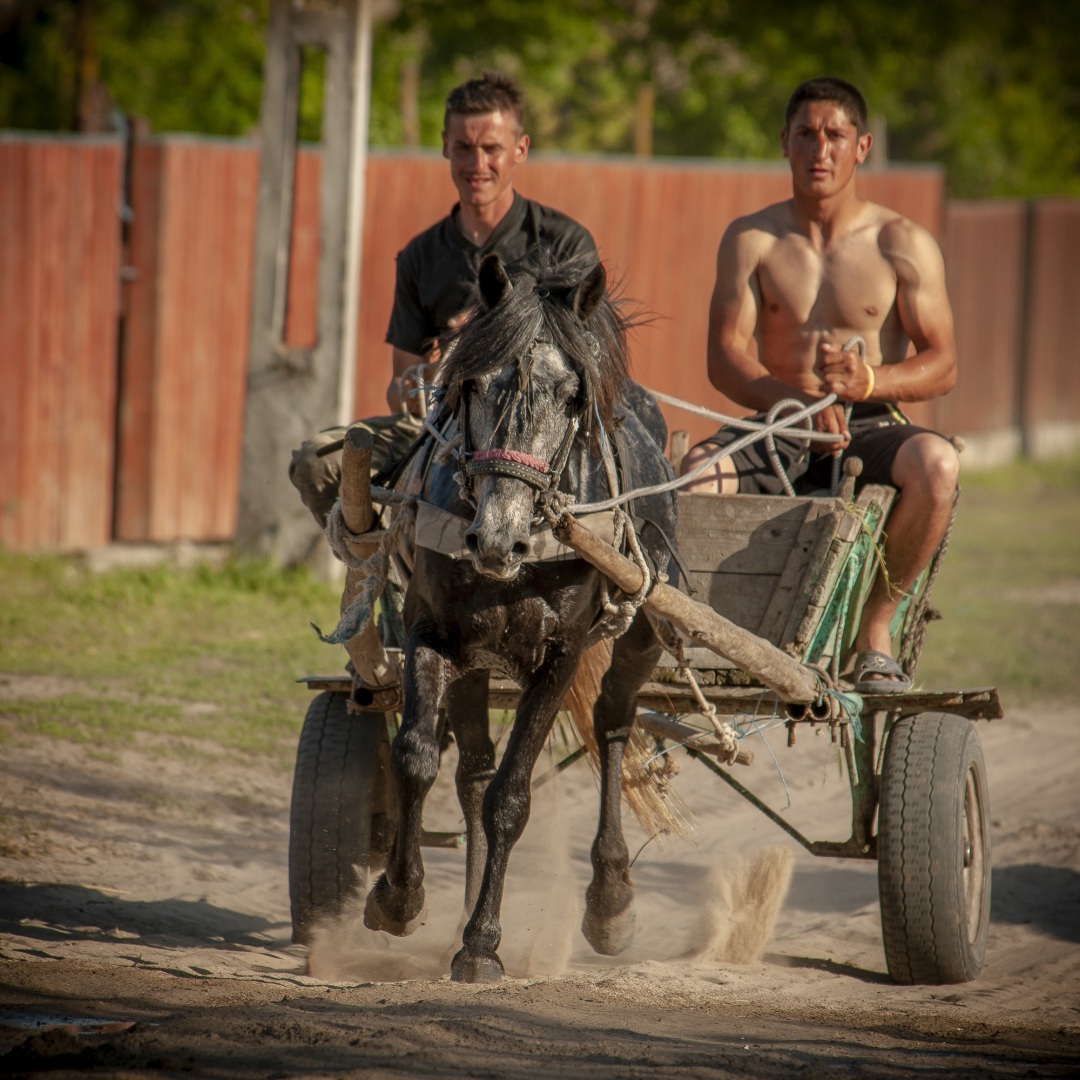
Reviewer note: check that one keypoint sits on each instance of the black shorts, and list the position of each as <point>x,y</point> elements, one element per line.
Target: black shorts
<point>877,433</point>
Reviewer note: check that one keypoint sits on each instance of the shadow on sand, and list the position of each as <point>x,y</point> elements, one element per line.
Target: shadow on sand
<point>51,913</point>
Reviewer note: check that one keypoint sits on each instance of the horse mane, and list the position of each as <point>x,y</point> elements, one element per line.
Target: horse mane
<point>539,307</point>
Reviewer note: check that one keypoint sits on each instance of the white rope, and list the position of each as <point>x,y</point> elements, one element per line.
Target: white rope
<point>375,568</point>
<point>420,389</point>
<point>859,346</point>
<point>756,432</point>
<point>744,423</point>
<point>675,645</point>
<point>618,617</point>
<point>725,733</point>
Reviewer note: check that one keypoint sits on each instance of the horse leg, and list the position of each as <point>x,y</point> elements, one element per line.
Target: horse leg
<point>466,706</point>
<point>396,901</point>
<point>608,924</point>
<point>507,803</point>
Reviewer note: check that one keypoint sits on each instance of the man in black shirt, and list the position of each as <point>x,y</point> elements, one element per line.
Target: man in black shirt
<point>484,141</point>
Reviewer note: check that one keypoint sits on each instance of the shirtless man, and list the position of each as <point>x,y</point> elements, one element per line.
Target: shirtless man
<point>797,281</point>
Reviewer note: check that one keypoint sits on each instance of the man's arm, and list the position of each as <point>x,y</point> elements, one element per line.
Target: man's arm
<point>922,304</point>
<point>733,365</point>
<point>404,360</point>
<point>925,314</point>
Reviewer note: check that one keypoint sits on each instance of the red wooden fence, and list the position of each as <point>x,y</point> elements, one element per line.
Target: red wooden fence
<point>185,340</point>
<point>59,303</point>
<point>984,244</point>
<point>1050,385</point>
<point>162,408</point>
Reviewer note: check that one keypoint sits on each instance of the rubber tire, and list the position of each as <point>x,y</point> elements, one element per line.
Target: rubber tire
<point>339,820</point>
<point>934,850</point>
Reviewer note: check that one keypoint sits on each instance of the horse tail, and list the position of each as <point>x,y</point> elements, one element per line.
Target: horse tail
<point>645,777</point>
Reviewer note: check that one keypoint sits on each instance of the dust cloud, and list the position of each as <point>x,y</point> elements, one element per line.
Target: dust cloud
<point>739,907</point>
<point>541,913</point>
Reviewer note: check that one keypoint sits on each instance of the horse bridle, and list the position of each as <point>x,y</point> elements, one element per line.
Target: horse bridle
<point>543,476</point>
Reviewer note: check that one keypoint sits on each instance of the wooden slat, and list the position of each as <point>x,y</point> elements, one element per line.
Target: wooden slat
<point>136,414</point>
<point>186,346</point>
<point>738,534</point>
<point>1052,379</point>
<point>59,289</point>
<point>984,260</point>
<point>735,548</point>
<point>792,580</point>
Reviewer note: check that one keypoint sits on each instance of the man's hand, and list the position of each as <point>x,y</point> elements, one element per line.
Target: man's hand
<point>411,365</point>
<point>844,373</point>
<point>831,420</point>
<point>434,354</point>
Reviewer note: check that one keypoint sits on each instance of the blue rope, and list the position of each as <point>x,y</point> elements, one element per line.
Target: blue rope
<point>852,706</point>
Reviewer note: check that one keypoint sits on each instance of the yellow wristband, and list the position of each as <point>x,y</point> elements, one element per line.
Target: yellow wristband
<point>870,388</point>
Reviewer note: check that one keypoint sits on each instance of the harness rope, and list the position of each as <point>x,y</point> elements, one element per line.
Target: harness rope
<point>374,567</point>
<point>754,429</point>
<point>859,346</point>
<point>756,432</point>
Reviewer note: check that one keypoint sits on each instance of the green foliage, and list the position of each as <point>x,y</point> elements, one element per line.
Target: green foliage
<point>184,65</point>
<point>992,92</point>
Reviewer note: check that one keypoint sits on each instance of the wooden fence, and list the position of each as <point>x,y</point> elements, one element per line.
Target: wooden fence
<point>123,345</point>
<point>59,305</point>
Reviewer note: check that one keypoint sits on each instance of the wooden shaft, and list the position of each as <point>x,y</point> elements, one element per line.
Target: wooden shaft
<point>675,732</point>
<point>356,509</point>
<point>366,651</point>
<point>760,658</point>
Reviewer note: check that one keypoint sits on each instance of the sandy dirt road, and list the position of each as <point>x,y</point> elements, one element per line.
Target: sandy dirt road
<point>144,929</point>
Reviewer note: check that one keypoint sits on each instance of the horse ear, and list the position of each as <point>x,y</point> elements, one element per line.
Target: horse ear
<point>494,284</point>
<point>586,295</point>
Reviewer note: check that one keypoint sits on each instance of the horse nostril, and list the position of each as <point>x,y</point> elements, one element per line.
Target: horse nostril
<point>520,549</point>
<point>471,543</point>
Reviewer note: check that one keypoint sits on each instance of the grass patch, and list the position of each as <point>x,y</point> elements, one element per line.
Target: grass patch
<point>1010,585</point>
<point>200,653</point>
<point>213,655</point>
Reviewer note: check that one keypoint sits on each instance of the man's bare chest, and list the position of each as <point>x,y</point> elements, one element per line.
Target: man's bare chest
<point>853,287</point>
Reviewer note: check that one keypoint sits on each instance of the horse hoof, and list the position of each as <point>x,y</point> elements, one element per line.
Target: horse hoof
<point>609,934</point>
<point>392,913</point>
<point>476,968</point>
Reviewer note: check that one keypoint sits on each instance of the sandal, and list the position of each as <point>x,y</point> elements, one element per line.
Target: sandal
<point>878,673</point>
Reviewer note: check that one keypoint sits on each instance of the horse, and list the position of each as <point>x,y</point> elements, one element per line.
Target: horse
<point>537,381</point>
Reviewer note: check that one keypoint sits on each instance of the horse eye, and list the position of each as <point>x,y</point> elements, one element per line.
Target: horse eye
<point>568,392</point>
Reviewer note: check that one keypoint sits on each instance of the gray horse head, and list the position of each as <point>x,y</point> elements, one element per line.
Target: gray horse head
<point>531,377</point>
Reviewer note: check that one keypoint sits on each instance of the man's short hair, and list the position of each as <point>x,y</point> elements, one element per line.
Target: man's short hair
<point>491,92</point>
<point>829,88</point>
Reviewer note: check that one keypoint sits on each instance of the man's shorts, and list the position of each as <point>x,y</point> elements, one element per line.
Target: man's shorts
<point>315,469</point>
<point>877,433</point>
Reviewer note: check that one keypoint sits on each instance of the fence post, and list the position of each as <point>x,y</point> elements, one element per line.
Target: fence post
<point>294,391</point>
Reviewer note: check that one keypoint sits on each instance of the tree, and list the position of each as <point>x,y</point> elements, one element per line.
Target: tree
<point>989,91</point>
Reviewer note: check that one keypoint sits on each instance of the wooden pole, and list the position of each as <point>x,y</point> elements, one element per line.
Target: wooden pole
<point>354,212</point>
<point>774,668</point>
<point>373,666</point>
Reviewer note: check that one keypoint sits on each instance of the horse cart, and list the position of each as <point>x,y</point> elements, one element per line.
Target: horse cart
<point>791,572</point>
<point>772,592</point>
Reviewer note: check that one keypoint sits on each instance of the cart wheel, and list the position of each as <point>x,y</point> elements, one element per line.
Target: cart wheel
<point>340,823</point>
<point>934,850</point>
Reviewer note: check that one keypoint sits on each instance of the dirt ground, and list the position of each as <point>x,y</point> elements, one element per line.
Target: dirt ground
<point>144,928</point>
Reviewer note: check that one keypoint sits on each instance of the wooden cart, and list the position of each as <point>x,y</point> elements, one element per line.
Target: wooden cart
<point>793,573</point>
